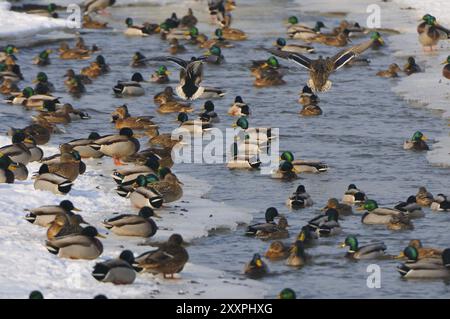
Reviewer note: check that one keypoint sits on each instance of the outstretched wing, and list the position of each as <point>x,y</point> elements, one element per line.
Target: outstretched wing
<point>180,62</point>
<point>194,71</point>
<point>345,56</point>
<point>299,59</point>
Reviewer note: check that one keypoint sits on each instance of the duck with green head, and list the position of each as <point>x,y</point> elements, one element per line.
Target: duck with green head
<point>377,215</point>
<point>193,36</point>
<point>127,176</point>
<point>446,68</point>
<point>239,108</point>
<point>130,88</point>
<point>285,172</point>
<point>8,51</point>
<point>83,146</point>
<point>17,151</point>
<point>308,236</point>
<point>426,268</point>
<point>377,40</point>
<point>161,75</point>
<point>258,65</point>
<point>287,293</point>
<point>303,166</point>
<point>43,59</point>
<point>135,30</point>
<point>142,194</point>
<point>256,268</point>
<point>305,33</point>
<point>417,142</point>
<point>169,186</point>
<point>430,32</point>
<point>327,224</point>
<point>270,215</point>
<point>46,181</point>
<point>371,251</point>
<point>43,85</point>
<point>218,41</point>
<point>118,146</point>
<point>353,195</point>
<point>259,136</point>
<point>282,45</point>
<point>196,127</point>
<point>242,160</point>
<point>214,55</point>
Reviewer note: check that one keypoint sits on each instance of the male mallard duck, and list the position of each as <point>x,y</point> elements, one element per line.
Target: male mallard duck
<point>189,20</point>
<point>282,45</point>
<point>299,199</point>
<point>52,182</point>
<point>97,6</point>
<point>321,69</point>
<point>122,118</point>
<point>43,58</point>
<point>6,175</point>
<point>327,224</point>
<point>285,171</point>
<point>256,268</point>
<point>297,257</point>
<point>270,215</point>
<point>446,69</point>
<point>376,215</point>
<point>84,146</point>
<point>391,72</point>
<point>353,195</point>
<point>411,66</point>
<point>11,73</point>
<point>19,170</point>
<point>271,63</point>
<point>44,215</point>
<point>53,116</point>
<point>305,33</point>
<point>17,151</point>
<point>423,197</point>
<point>140,225</point>
<point>65,225</point>
<point>49,11</point>
<point>30,100</point>
<point>440,203</point>
<point>239,108</point>
<point>287,293</point>
<point>89,23</point>
<point>175,47</point>
<point>254,135</point>
<point>36,132</point>
<point>410,208</point>
<point>128,175</point>
<point>218,41</point>
<point>8,51</point>
<point>36,152</point>
<point>66,53</point>
<point>161,75</point>
<point>278,231</point>
<point>339,40</point>
<point>214,55</point>
<point>168,259</point>
<point>96,68</point>
<point>143,194</point>
<point>277,250</point>
<point>431,33</point>
<point>195,126</point>
<point>77,246</point>
<point>427,268</point>
<point>417,142</point>
<point>423,252</point>
<point>209,112</point>
<point>193,36</point>
<point>369,251</point>
<point>169,186</point>
<point>301,166</point>
<point>138,60</point>
<point>136,30</point>
<point>118,271</point>
<point>118,145</point>
<point>242,161</point>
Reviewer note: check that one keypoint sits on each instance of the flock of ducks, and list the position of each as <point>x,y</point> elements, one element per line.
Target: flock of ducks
<point>148,181</point>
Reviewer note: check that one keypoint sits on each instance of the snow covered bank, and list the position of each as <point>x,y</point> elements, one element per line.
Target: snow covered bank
<point>22,244</point>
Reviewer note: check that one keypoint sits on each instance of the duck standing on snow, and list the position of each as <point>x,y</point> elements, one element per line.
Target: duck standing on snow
<point>140,225</point>
<point>118,146</point>
<point>430,32</point>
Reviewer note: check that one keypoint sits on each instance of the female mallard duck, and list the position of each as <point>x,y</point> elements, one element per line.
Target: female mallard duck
<point>270,214</point>
<point>77,246</point>
<point>285,172</point>
<point>195,127</point>
<point>8,87</point>
<point>282,45</point>
<point>305,33</point>
<point>297,257</point>
<point>118,145</point>
<point>43,59</point>
<point>277,251</point>
<point>96,68</point>
<point>75,86</point>
<point>122,118</point>
<point>370,251</point>
<point>299,199</point>
<point>137,30</point>
<point>229,33</point>
<point>128,175</point>
<point>410,208</point>
<point>411,66</point>
<point>55,158</point>
<point>339,40</point>
<point>130,88</point>
<point>242,161</point>
<point>353,195</point>
<point>171,105</point>
<point>440,203</point>
<point>327,224</point>
<point>36,132</point>
<point>301,166</point>
<point>6,175</point>
<point>168,259</point>
<point>427,268</point>
<point>268,77</point>
<point>44,215</point>
<point>175,47</point>
<point>64,225</point>
<point>140,225</point>
<point>189,20</point>
<point>89,23</point>
<point>118,271</point>
<point>416,143</point>
<point>161,75</point>
<point>376,215</point>
<point>169,186</point>
<point>218,41</point>
<point>143,194</point>
<point>431,33</point>
<point>391,72</point>
<point>278,231</point>
<point>83,79</point>
<point>423,197</point>
<point>239,108</point>
<point>423,252</point>
<point>321,69</point>
<point>17,151</point>
<point>310,103</point>
<point>446,69</point>
<point>66,53</point>
<point>68,167</point>
<point>53,116</point>
<point>256,268</point>
<point>52,182</point>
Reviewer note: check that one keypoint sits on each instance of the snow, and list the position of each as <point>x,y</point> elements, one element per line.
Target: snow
<point>22,244</point>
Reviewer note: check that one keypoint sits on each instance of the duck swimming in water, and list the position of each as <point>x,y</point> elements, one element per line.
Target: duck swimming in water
<point>417,142</point>
<point>299,199</point>
<point>369,251</point>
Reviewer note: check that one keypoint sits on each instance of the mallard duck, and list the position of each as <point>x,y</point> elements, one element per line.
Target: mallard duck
<point>423,197</point>
<point>19,170</point>
<point>218,41</point>
<point>189,20</point>
<point>175,47</point>
<point>242,161</point>
<point>65,225</point>
<point>143,194</point>
<point>254,135</point>
<point>339,40</point>
<point>97,6</point>
<point>89,23</point>
<point>168,104</point>
<point>277,251</point>
<point>118,145</point>
<point>440,203</point>
<point>391,72</point>
<point>36,152</point>
<point>299,199</point>
<point>9,50</point>
<point>411,208</point>
<point>161,75</point>
<point>297,257</point>
<point>308,236</point>
<point>285,172</point>
<point>118,271</point>
<point>8,87</point>
<point>287,293</point>
<point>122,118</point>
<point>193,36</point>
<point>305,33</point>
<point>353,195</point>
<point>17,151</point>
<point>431,32</point>
<point>446,69</point>
<point>321,69</point>
<point>140,225</point>
<point>6,175</point>
<point>256,268</point>
<point>400,222</point>
<point>327,224</point>
<point>196,127</point>
<point>169,186</point>
<point>77,246</point>
<point>427,268</point>
<point>168,259</point>
<point>278,231</point>
<point>268,77</point>
<point>84,146</point>
<point>55,158</point>
<point>417,142</point>
<point>130,88</point>
<point>52,182</point>
<point>44,215</point>
<point>128,175</point>
<point>54,116</point>
<point>214,55</point>
<point>230,33</point>
<point>96,68</point>
<point>239,108</point>
<point>67,167</point>
<point>310,105</point>
<point>141,31</point>
<point>282,45</point>
<point>209,112</point>
<point>70,74</point>
<point>271,63</point>
<point>411,66</point>
<point>423,252</point>
<point>370,251</point>
<point>36,294</point>
<point>270,214</point>
<point>37,132</point>
<point>138,60</point>
<point>43,58</point>
<point>163,153</point>
<point>66,53</point>
<point>376,215</point>
<point>11,73</point>
<point>301,166</point>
